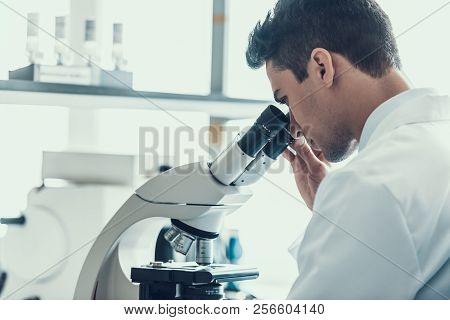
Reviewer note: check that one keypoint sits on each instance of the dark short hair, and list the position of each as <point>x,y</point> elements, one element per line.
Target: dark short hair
<point>357,29</point>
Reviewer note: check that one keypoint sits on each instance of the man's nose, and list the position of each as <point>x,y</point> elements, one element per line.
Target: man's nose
<point>295,129</point>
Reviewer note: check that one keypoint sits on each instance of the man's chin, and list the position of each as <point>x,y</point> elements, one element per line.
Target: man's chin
<point>340,153</point>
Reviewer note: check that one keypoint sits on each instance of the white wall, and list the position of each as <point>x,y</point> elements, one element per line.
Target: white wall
<point>25,131</point>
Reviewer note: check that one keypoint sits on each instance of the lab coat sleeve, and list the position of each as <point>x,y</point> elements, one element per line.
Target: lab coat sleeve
<point>357,245</point>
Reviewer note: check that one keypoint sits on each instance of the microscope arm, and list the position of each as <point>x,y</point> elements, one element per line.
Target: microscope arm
<point>160,204</point>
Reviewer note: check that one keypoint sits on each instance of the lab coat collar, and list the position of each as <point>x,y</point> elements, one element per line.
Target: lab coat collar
<point>405,108</point>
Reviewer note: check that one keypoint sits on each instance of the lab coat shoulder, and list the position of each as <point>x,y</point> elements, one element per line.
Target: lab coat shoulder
<point>413,163</point>
<point>357,245</point>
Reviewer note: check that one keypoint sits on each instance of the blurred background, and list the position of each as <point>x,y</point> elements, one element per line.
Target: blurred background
<point>186,62</point>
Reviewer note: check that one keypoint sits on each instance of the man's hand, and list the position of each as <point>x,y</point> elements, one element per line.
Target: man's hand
<point>310,167</point>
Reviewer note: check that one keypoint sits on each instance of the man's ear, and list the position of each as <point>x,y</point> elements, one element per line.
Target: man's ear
<point>323,68</point>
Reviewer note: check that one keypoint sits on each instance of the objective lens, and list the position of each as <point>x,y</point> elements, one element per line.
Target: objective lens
<point>267,126</point>
<point>179,240</point>
<point>204,251</point>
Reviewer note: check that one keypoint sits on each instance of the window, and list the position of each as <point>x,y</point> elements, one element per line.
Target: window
<point>240,81</point>
<point>167,43</point>
<point>424,46</point>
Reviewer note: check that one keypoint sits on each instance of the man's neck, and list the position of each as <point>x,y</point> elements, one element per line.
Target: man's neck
<point>374,92</point>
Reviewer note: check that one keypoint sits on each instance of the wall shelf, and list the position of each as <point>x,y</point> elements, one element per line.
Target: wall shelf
<point>79,96</point>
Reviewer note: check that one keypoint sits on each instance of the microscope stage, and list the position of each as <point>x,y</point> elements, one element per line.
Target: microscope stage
<point>192,273</point>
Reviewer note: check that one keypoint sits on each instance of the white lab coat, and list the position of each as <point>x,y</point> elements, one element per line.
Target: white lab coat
<point>381,224</point>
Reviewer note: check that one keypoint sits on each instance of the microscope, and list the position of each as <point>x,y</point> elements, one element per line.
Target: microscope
<point>195,197</point>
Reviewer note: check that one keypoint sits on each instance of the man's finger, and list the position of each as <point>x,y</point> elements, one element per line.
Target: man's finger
<point>305,152</point>
<point>297,163</point>
<point>288,155</point>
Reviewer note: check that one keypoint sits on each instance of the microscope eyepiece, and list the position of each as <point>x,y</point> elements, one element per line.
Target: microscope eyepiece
<point>236,158</point>
<point>279,143</point>
<point>267,126</point>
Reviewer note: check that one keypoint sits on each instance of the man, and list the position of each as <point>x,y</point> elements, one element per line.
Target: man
<point>381,224</point>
